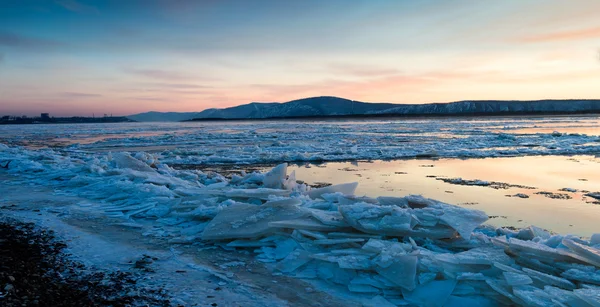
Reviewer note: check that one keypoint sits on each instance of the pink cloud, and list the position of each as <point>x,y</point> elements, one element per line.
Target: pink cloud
<point>77,95</point>
<point>571,35</point>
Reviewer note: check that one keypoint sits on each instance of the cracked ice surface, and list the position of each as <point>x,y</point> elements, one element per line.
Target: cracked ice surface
<point>388,250</point>
<point>288,141</point>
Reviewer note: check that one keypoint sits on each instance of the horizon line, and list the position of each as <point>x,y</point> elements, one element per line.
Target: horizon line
<point>305,98</point>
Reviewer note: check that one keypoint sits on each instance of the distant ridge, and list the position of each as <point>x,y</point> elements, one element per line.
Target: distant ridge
<point>327,106</point>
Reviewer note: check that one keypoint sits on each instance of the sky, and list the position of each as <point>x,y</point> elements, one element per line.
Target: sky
<point>120,57</point>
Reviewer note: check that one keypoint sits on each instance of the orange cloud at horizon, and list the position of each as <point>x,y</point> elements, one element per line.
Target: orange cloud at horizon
<point>489,81</point>
<point>169,59</point>
<point>569,35</point>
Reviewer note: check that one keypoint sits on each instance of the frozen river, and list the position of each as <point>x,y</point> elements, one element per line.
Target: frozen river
<point>527,151</point>
<point>188,195</point>
<point>238,142</point>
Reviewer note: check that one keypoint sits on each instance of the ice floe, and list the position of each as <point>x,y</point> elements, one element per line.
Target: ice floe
<point>390,250</point>
<point>287,141</point>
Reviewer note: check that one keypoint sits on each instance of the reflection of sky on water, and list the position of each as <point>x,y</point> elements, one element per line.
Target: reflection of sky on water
<point>548,173</point>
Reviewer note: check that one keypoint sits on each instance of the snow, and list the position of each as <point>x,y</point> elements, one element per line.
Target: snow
<point>387,250</point>
<point>330,105</point>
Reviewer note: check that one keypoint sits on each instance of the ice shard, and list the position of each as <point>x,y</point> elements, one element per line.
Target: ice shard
<point>241,221</point>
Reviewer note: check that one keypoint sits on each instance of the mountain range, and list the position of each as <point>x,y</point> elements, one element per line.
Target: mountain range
<point>327,106</point>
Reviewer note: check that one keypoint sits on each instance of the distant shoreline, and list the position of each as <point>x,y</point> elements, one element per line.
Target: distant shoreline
<point>390,116</point>
<point>123,119</point>
<point>66,120</point>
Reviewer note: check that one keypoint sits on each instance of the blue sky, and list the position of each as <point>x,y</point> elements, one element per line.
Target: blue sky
<point>77,57</point>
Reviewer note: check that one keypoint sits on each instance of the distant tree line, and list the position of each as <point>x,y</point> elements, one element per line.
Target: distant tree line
<point>46,119</point>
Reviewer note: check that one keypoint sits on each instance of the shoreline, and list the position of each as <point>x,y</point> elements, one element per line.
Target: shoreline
<point>37,271</point>
<point>204,229</point>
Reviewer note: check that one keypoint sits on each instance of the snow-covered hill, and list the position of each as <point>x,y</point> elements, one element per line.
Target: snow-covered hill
<point>498,106</point>
<point>163,116</point>
<point>335,106</point>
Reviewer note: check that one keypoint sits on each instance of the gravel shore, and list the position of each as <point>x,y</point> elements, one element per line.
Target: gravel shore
<point>36,271</point>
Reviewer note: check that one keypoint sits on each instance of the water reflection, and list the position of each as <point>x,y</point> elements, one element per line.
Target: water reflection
<point>578,215</point>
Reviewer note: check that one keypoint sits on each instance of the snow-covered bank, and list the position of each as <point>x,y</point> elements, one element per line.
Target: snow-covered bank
<point>187,275</point>
<point>386,250</point>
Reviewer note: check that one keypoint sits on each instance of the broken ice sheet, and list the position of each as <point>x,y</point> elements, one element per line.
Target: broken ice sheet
<point>550,279</point>
<point>532,232</point>
<point>368,279</point>
<point>588,254</point>
<point>312,234</point>
<point>345,188</point>
<point>537,250</point>
<point>338,241</point>
<point>532,296</point>
<point>249,243</point>
<point>284,248</point>
<point>342,276</point>
<point>377,253</point>
<point>586,276</point>
<point>474,260</point>
<point>275,178</point>
<point>426,277</point>
<point>402,271</point>
<point>362,289</point>
<point>590,296</point>
<point>516,279</point>
<point>331,218</point>
<point>462,301</point>
<point>398,221</point>
<point>564,297</point>
<point>293,261</point>
<point>378,301</point>
<point>432,294</point>
<point>305,223</point>
<point>125,160</point>
<point>241,221</point>
<point>463,220</point>
<point>290,183</point>
<point>192,230</point>
<point>357,262</point>
<point>377,219</point>
<point>309,271</point>
<point>260,193</point>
